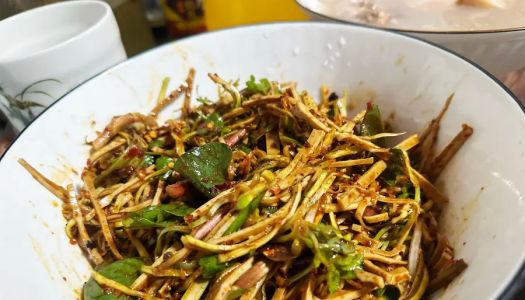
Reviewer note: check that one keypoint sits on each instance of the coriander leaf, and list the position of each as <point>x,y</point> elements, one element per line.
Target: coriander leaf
<point>205,166</point>
<point>216,121</point>
<point>333,279</point>
<point>122,271</point>
<point>254,87</point>
<point>210,266</point>
<point>336,254</point>
<point>162,215</point>
<point>372,124</point>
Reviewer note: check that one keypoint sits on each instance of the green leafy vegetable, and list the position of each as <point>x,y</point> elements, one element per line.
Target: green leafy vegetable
<point>244,148</point>
<point>395,167</point>
<point>158,143</point>
<point>210,266</point>
<point>156,216</point>
<point>122,271</point>
<point>333,278</point>
<point>335,253</point>
<point>372,124</point>
<point>162,162</point>
<point>254,87</point>
<point>205,166</point>
<point>225,131</point>
<point>389,292</point>
<point>213,124</point>
<point>147,161</point>
<point>204,100</point>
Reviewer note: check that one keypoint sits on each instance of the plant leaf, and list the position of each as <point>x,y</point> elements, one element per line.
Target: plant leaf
<point>389,292</point>
<point>161,163</point>
<point>211,266</point>
<point>204,100</point>
<point>205,166</point>
<point>372,124</point>
<point>254,87</point>
<point>122,271</point>
<point>337,255</point>
<point>394,167</point>
<point>162,216</point>
<point>333,279</point>
<point>216,120</point>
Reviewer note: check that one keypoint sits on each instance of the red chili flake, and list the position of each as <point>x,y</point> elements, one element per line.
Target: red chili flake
<point>134,151</point>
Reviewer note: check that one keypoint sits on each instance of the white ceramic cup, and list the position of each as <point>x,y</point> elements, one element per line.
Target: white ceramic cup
<point>47,51</point>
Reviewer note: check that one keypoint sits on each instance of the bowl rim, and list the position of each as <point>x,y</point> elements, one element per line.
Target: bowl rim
<point>513,286</point>
<point>408,31</point>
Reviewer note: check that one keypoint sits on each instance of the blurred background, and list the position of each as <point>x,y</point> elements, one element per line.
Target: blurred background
<point>147,23</point>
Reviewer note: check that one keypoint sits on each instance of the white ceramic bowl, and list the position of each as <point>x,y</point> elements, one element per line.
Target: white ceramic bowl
<point>486,214</point>
<point>498,51</point>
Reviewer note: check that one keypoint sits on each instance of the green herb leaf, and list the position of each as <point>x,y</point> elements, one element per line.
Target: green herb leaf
<point>254,87</point>
<point>333,279</point>
<point>389,292</point>
<point>122,271</point>
<point>204,100</point>
<point>337,255</point>
<point>161,163</point>
<point>244,148</point>
<point>216,120</point>
<point>158,143</point>
<point>205,166</point>
<point>225,131</point>
<point>394,167</point>
<point>147,161</point>
<point>372,124</point>
<point>210,266</point>
<point>162,215</point>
